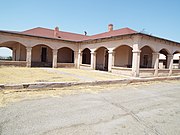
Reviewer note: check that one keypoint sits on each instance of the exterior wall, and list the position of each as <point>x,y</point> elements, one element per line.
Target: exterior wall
<point>18,50</point>
<point>110,45</point>
<point>100,58</point>
<point>36,53</point>
<point>123,56</point>
<point>65,65</point>
<point>65,55</point>
<point>13,63</point>
<point>176,72</point>
<point>137,42</point>
<point>146,51</point>
<point>122,71</point>
<point>22,53</point>
<point>28,41</point>
<point>147,72</point>
<point>86,56</point>
<point>163,72</point>
<point>85,66</point>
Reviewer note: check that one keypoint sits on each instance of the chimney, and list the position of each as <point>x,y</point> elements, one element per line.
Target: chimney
<point>110,27</point>
<point>56,31</point>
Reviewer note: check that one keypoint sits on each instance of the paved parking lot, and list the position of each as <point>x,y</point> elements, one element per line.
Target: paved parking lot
<point>137,109</point>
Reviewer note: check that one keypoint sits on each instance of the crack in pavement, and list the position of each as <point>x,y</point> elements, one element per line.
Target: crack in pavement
<point>136,117</point>
<point>114,117</point>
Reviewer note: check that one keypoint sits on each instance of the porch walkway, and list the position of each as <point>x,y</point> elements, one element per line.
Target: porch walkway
<point>85,75</point>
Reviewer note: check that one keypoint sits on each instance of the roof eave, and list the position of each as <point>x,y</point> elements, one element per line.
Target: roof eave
<point>132,34</point>
<point>22,34</point>
<point>89,40</point>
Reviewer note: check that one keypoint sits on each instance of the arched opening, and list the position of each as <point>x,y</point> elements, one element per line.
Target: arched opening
<point>41,56</point>
<point>163,59</point>
<point>15,51</point>
<point>65,55</point>
<point>6,53</point>
<point>146,57</point>
<point>102,59</point>
<point>176,60</point>
<point>123,56</point>
<point>86,56</point>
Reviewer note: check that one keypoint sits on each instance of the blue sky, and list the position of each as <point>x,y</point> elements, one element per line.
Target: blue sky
<point>157,17</point>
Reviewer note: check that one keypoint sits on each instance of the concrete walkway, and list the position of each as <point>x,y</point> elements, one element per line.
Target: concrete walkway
<point>132,110</point>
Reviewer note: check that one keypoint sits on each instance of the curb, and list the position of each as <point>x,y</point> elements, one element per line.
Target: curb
<point>66,84</point>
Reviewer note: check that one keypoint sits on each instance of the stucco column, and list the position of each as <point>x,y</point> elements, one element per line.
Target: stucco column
<point>170,63</point>
<point>110,60</point>
<point>113,58</point>
<point>55,51</point>
<point>169,60</point>
<point>18,52</point>
<point>79,59</point>
<point>155,63</point>
<point>93,60</point>
<point>14,54</point>
<point>76,58</point>
<point>179,63</point>
<point>135,63</point>
<point>28,56</point>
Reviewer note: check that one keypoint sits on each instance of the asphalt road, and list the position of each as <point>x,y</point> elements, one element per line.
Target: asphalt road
<point>133,110</point>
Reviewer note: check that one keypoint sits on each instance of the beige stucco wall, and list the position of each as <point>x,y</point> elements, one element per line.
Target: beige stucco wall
<point>65,55</point>
<point>123,56</point>
<point>148,52</point>
<point>36,53</point>
<point>18,50</point>
<point>100,58</point>
<point>22,53</point>
<point>28,41</point>
<point>86,56</point>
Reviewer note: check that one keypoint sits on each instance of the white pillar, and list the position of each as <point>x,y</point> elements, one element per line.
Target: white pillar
<point>113,58</point>
<point>135,63</point>
<point>79,59</point>
<point>110,60</point>
<point>179,63</point>
<point>93,60</point>
<point>168,60</point>
<point>170,63</point>
<point>28,56</point>
<point>55,51</point>
<point>155,63</point>
<point>76,58</point>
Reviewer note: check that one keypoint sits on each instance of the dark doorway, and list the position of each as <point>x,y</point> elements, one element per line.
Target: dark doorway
<point>72,56</point>
<point>44,54</point>
<point>86,57</point>
<point>106,61</point>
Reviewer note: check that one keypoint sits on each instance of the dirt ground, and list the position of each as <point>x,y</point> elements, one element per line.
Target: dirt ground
<point>151,108</point>
<point>18,75</point>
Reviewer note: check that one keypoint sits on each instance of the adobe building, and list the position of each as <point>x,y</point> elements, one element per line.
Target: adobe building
<point>123,51</point>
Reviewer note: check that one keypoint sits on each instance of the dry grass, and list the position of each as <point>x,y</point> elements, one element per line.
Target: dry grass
<point>14,75</point>
<point>10,96</point>
<point>96,75</point>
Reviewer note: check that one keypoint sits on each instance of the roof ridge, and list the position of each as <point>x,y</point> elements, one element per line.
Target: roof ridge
<point>114,31</point>
<point>53,30</point>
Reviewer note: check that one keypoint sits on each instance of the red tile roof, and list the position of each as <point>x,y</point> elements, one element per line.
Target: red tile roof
<point>113,33</point>
<point>44,32</point>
